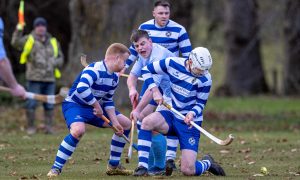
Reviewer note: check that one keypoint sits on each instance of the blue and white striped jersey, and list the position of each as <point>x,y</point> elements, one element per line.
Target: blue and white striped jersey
<point>188,93</point>
<point>94,83</point>
<point>173,37</point>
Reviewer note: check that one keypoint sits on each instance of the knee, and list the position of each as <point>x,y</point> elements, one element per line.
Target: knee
<point>124,122</point>
<point>127,124</point>
<point>187,169</point>
<point>147,124</point>
<point>77,131</point>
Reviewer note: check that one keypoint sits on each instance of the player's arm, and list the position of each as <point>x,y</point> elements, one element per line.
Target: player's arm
<point>18,40</point>
<point>157,67</point>
<point>109,107</point>
<point>147,96</point>
<point>87,78</point>
<point>202,96</point>
<point>7,75</point>
<point>132,82</point>
<point>184,43</point>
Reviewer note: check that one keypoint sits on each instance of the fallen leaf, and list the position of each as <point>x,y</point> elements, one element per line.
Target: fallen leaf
<point>224,151</point>
<point>251,162</point>
<point>295,173</point>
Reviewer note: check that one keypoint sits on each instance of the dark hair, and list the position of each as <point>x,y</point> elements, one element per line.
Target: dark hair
<point>163,3</point>
<point>138,34</point>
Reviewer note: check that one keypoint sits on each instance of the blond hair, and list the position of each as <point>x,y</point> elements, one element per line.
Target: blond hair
<point>117,48</point>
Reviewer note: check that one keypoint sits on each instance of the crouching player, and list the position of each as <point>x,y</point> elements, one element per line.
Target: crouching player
<point>190,84</point>
<point>89,98</point>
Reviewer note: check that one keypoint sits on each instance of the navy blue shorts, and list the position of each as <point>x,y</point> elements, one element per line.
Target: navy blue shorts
<point>76,113</point>
<point>188,137</point>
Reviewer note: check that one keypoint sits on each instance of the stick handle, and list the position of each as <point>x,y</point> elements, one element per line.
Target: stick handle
<point>131,139</point>
<point>5,89</point>
<point>126,75</point>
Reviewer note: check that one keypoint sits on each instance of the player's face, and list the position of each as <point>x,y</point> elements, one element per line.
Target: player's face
<point>40,30</point>
<point>120,61</point>
<point>143,46</point>
<point>161,15</point>
<point>195,71</point>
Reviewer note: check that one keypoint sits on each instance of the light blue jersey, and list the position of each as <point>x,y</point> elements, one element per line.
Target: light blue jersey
<point>158,53</point>
<point>94,83</point>
<point>2,49</point>
<point>173,37</point>
<point>188,93</point>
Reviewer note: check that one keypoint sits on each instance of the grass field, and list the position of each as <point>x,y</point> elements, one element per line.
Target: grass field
<point>266,130</point>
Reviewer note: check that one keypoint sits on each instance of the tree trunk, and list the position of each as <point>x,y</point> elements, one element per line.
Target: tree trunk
<point>96,25</point>
<point>244,71</point>
<point>291,76</point>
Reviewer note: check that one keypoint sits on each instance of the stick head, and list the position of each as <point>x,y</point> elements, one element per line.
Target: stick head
<point>228,141</point>
<point>83,60</point>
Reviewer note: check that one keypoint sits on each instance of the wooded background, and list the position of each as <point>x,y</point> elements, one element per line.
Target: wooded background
<point>255,45</point>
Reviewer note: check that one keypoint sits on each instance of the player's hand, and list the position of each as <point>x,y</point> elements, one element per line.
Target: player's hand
<point>120,129</point>
<point>97,111</point>
<point>188,118</point>
<point>157,96</point>
<point>19,27</point>
<point>134,97</point>
<point>18,91</point>
<point>135,115</point>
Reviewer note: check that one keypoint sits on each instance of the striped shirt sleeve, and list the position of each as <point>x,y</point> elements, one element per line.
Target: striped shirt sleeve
<point>108,101</point>
<point>202,96</point>
<point>184,43</point>
<point>157,67</point>
<point>88,77</point>
<point>133,56</point>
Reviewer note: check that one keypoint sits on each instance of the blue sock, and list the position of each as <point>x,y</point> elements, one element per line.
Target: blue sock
<point>159,150</point>
<point>144,145</point>
<point>151,157</point>
<point>201,167</point>
<point>65,150</point>
<point>172,143</point>
<point>116,148</point>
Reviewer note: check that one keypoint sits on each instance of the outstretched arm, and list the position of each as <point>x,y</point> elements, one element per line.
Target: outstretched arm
<point>7,75</point>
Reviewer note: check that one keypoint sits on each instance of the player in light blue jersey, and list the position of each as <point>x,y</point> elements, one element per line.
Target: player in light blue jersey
<point>190,84</point>
<point>89,98</point>
<point>6,73</point>
<point>172,36</point>
<point>148,52</point>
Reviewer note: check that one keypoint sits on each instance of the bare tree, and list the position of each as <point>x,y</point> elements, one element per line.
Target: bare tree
<point>291,79</point>
<point>244,71</point>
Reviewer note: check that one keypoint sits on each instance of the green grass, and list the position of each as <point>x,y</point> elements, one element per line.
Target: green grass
<point>266,130</point>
